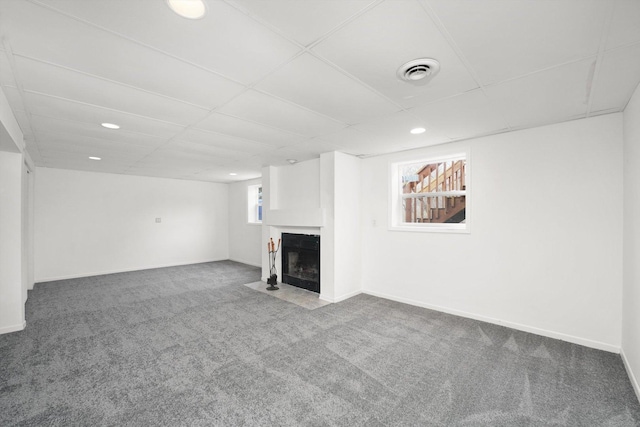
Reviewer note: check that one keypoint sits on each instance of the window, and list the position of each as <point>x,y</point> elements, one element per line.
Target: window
<point>431,194</point>
<point>254,203</point>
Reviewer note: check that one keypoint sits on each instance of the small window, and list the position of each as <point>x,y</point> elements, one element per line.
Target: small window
<point>254,203</point>
<point>430,194</point>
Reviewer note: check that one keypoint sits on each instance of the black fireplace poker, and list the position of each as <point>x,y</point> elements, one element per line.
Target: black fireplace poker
<point>272,281</point>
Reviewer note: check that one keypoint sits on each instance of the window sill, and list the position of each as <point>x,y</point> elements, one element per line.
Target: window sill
<point>430,229</point>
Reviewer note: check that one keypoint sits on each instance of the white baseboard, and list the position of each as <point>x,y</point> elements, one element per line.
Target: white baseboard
<point>241,261</point>
<point>340,298</point>
<point>526,328</point>
<point>632,377</point>
<point>347,296</point>
<point>100,273</point>
<point>13,328</point>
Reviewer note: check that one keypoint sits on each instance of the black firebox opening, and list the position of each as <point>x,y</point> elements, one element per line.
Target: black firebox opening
<point>301,261</point>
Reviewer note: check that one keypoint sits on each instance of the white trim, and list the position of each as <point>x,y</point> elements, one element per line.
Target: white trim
<point>313,217</point>
<point>395,206</point>
<point>13,328</point>
<point>327,299</point>
<point>341,297</point>
<point>632,377</point>
<point>531,329</point>
<point>101,273</point>
<point>253,264</point>
<point>347,296</point>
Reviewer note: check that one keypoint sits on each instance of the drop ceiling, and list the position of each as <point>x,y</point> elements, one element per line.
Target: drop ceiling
<point>257,82</point>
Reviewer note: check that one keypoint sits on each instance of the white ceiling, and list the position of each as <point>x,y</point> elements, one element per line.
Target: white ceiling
<point>257,82</point>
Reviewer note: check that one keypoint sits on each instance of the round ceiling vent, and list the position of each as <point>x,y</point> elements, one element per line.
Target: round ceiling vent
<point>418,71</point>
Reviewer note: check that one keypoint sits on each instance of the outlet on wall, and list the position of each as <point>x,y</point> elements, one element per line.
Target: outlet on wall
<point>158,219</point>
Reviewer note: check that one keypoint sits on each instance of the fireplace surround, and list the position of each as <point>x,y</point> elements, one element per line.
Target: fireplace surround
<point>301,261</point>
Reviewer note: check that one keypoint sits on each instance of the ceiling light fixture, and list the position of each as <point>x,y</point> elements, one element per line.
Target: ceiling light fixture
<point>418,131</point>
<point>419,71</point>
<point>233,174</point>
<point>292,161</point>
<point>190,9</point>
<point>110,126</point>
<point>95,158</point>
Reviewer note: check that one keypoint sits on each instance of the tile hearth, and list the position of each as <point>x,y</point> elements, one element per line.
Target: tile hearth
<point>303,298</point>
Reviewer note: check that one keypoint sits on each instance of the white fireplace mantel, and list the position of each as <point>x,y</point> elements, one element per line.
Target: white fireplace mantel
<point>314,217</point>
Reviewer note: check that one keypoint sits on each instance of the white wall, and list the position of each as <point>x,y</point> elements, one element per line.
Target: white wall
<point>94,223</point>
<point>245,239</point>
<point>340,245</point>
<point>11,253</point>
<point>631,288</point>
<point>347,233</point>
<point>545,249</point>
<point>14,225</point>
<point>299,186</point>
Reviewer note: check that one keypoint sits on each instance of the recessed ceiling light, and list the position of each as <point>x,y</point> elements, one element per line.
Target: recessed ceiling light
<point>190,9</point>
<point>233,174</point>
<point>95,158</point>
<point>418,131</point>
<point>110,126</point>
<point>292,161</point>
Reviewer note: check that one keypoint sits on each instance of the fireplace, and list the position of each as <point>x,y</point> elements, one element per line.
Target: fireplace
<point>301,261</point>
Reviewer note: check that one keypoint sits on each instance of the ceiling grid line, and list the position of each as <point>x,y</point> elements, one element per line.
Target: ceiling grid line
<point>449,38</point>
<point>604,36</point>
<point>10,57</point>
<point>119,83</point>
<point>132,40</point>
<point>75,101</point>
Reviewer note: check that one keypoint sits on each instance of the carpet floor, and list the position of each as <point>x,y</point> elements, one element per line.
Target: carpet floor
<point>192,346</point>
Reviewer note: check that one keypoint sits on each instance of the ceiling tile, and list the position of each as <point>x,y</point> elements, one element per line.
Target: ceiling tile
<point>182,148</point>
<point>106,55</point>
<point>46,125</point>
<point>53,144</point>
<point>227,142</point>
<point>304,21</point>
<point>221,173</point>
<point>625,24</point>
<point>48,106</point>
<point>376,44</point>
<point>61,82</point>
<point>225,40</point>
<point>82,163</point>
<point>310,82</point>
<point>619,76</point>
<point>549,96</point>
<point>361,143</point>
<point>396,129</point>
<point>314,147</point>
<point>6,74</point>
<point>244,129</point>
<point>173,163</point>
<point>278,157</point>
<point>504,39</point>
<point>14,98</point>
<point>462,116</point>
<point>270,111</point>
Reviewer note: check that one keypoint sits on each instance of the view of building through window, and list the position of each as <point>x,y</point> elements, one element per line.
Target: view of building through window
<point>434,193</point>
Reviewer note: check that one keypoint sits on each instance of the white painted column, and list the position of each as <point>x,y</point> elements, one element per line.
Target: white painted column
<point>11,293</point>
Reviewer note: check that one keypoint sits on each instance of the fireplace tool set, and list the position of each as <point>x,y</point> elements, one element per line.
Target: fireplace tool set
<point>272,281</point>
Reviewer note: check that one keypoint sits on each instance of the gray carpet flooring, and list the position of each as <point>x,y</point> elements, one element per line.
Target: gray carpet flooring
<point>192,346</point>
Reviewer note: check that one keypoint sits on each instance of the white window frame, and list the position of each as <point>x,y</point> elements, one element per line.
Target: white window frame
<point>252,204</point>
<point>396,196</point>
